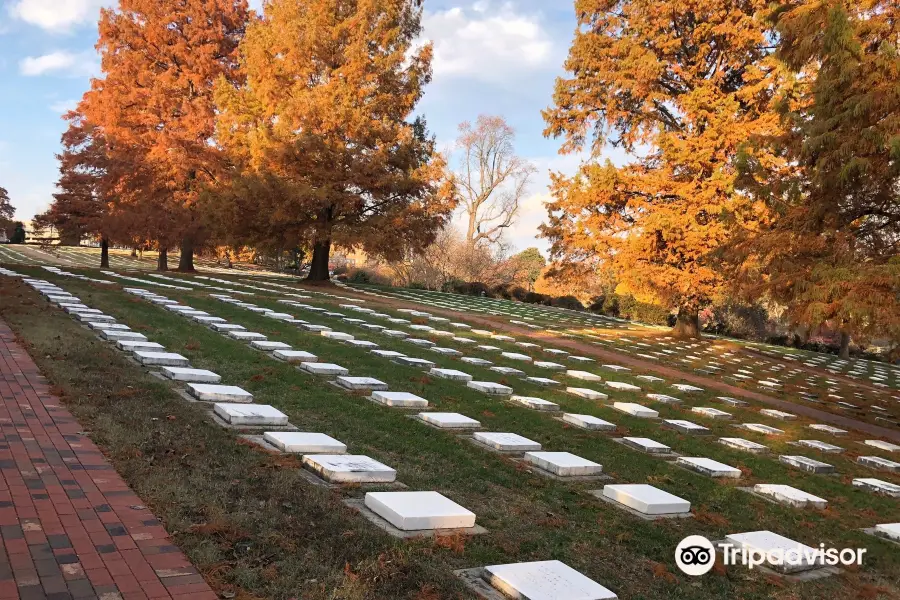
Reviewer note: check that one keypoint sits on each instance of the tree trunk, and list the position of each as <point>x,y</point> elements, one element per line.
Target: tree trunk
<point>134,252</point>
<point>186,262</point>
<point>318,269</point>
<point>104,253</point>
<point>845,345</point>
<point>162,262</point>
<point>688,323</point>
<point>473,226</point>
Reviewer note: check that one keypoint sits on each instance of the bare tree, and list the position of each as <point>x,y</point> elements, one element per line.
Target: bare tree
<point>492,178</point>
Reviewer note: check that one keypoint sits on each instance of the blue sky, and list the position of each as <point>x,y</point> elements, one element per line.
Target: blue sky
<point>493,57</point>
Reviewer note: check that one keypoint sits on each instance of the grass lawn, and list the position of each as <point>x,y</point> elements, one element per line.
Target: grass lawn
<point>252,522</point>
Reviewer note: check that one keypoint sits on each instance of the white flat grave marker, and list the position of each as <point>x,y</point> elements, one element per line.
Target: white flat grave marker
<point>821,446</point>
<point>394,333</point>
<point>588,422</point>
<point>191,375</point>
<point>878,486</point>
<point>246,336</point>
<point>399,399</point>
<point>115,335</point>
<point>474,360</point>
<point>664,398</point>
<point>298,442</point>
<point>416,511</point>
<point>250,414</point>
<point>337,335</point>
<point>160,359</point>
<point>545,580</point>
<point>449,420</point>
<point>208,392</point>
<point>542,381</point>
<point>622,387</point>
<point>516,356</point>
<point>876,462</point>
<point>508,371</point>
<point>731,401</point>
<point>344,468</point>
<point>535,403</point>
<point>583,375</point>
<point>647,499</point>
<point>886,446</point>
<point>586,393</point>
<point>889,530</point>
<point>745,445</point>
<point>507,442</point>
<point>556,352</point>
<point>563,464</point>
<point>635,410</point>
<point>708,467</point>
<point>616,368</point>
<point>361,383</point>
<point>689,389</point>
<point>791,496</point>
<point>806,464</point>
<point>452,374</point>
<point>489,387</point>
<point>766,542</point>
<point>295,356</point>
<point>226,327</point>
<point>777,414</point>
<point>712,413</point>
<point>764,429</point>
<point>133,345</point>
<point>94,318</point>
<point>109,326</point>
<point>410,361</point>
<point>325,369</point>
<point>646,445</point>
<point>543,364</point>
<point>267,346</point>
<point>446,351</point>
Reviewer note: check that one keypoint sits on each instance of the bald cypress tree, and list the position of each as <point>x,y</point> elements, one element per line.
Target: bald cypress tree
<point>830,250</point>
<point>160,62</point>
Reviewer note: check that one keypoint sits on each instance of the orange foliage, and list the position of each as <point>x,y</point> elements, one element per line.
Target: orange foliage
<point>154,106</point>
<point>681,85</point>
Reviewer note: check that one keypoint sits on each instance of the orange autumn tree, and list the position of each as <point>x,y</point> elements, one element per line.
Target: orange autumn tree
<point>680,86</point>
<point>324,123</point>
<point>155,106</point>
<point>81,205</point>
<point>830,250</point>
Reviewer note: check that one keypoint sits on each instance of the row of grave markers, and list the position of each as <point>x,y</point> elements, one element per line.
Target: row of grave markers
<point>513,442</point>
<point>643,497</point>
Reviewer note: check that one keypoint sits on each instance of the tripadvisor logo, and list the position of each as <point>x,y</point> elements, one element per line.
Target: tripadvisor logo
<point>696,555</point>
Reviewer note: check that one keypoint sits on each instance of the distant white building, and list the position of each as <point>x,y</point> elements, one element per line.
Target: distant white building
<point>3,238</point>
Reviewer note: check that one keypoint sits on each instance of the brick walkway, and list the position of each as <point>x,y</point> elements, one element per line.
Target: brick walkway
<point>70,528</point>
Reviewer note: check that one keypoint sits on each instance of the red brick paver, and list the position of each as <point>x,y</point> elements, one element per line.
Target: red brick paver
<point>70,528</point>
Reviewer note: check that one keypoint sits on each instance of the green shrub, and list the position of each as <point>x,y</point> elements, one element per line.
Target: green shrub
<point>360,275</point>
<point>535,298</point>
<point>570,302</point>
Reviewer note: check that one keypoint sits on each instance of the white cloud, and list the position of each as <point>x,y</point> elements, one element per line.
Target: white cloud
<point>64,106</point>
<point>57,15</point>
<point>489,43</point>
<point>70,64</point>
